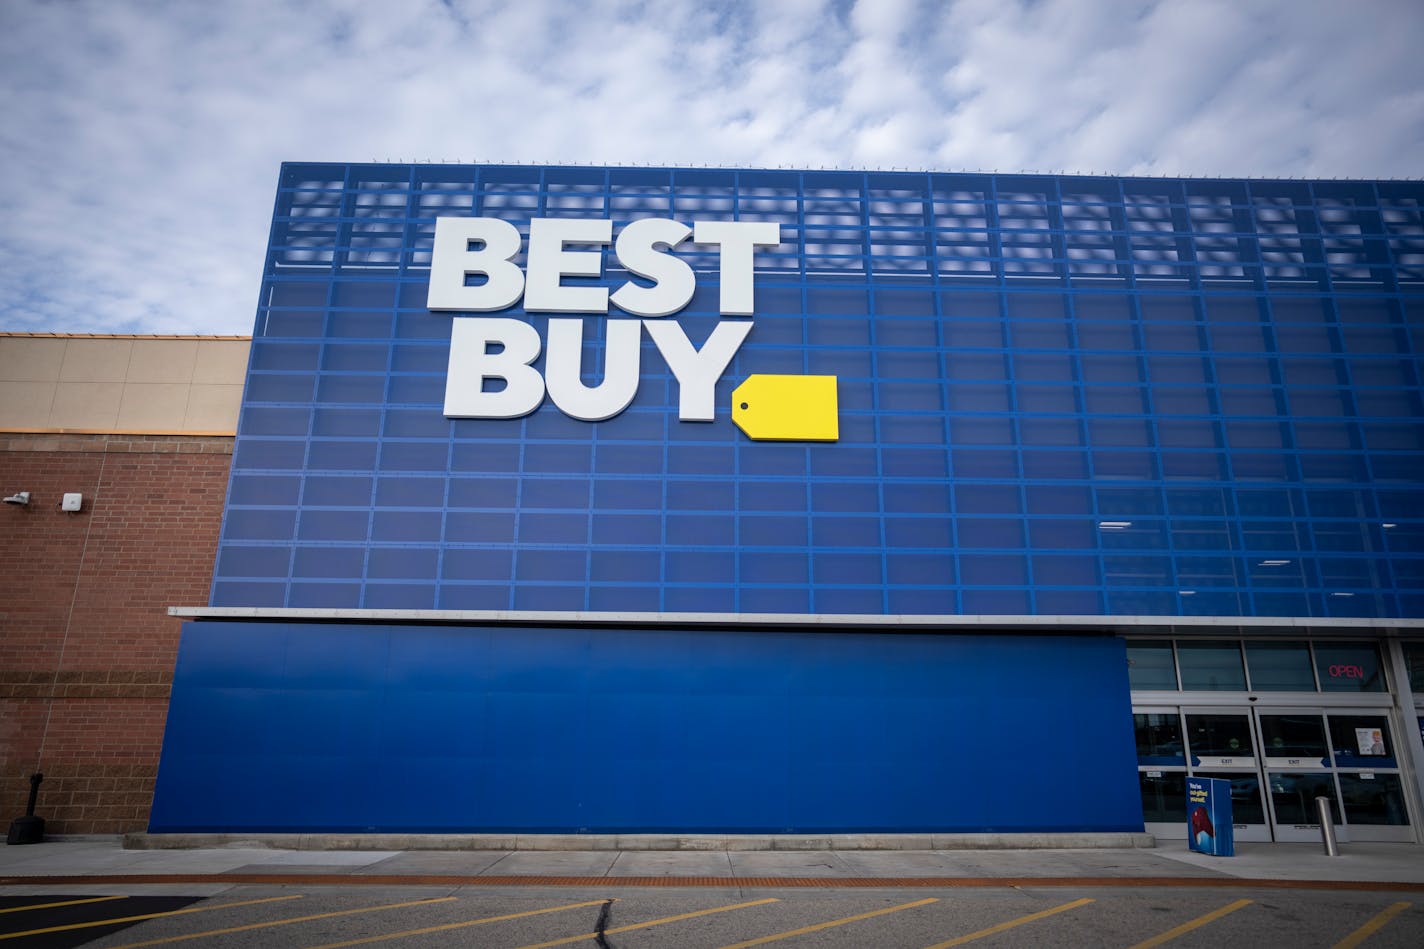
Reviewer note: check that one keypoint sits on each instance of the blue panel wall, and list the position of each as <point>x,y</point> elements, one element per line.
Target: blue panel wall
<point>283,727</point>
<point>1058,395</point>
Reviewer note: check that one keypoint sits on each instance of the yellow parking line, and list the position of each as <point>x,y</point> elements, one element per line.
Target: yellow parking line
<point>92,899</point>
<point>135,919</point>
<point>282,922</point>
<point>961,940</point>
<point>652,922</point>
<point>1372,927</point>
<point>1187,927</point>
<point>832,923</point>
<point>461,925</point>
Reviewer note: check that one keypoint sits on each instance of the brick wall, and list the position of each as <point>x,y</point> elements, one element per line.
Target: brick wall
<point>86,645</point>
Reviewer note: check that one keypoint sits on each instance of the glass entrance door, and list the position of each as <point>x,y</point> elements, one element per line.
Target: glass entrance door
<point>1222,744</point>
<point>1297,762</point>
<point>1366,767</point>
<point>1278,761</point>
<point>1173,743</point>
<point>1346,755</point>
<point>1161,771</point>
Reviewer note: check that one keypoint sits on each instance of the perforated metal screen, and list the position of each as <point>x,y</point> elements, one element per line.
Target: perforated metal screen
<point>1057,396</point>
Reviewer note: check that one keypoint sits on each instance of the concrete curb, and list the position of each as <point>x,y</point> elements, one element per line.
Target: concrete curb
<point>671,842</point>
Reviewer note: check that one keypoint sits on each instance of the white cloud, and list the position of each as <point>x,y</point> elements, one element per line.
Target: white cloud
<point>141,139</point>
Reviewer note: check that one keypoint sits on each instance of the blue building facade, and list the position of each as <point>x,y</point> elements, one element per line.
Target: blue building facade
<point>1082,409</point>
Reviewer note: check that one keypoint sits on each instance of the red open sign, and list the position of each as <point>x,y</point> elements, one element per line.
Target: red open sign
<point>1346,671</point>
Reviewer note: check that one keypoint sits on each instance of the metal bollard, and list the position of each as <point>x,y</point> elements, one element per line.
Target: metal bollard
<point>28,829</point>
<point>1327,827</point>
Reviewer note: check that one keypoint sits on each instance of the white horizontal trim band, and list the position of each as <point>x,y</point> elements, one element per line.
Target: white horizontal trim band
<point>901,620</point>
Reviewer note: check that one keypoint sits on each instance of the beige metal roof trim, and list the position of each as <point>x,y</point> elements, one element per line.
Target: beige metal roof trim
<point>124,335</point>
<point>180,432</point>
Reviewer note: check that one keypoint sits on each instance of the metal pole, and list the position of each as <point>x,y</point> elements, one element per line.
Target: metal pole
<point>1327,827</point>
<point>35,780</point>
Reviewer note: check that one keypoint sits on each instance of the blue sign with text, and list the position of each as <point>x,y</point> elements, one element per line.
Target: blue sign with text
<point>1209,828</point>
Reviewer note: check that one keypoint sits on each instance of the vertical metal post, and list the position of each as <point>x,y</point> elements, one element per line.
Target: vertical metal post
<point>1407,742</point>
<point>35,780</point>
<point>1327,827</point>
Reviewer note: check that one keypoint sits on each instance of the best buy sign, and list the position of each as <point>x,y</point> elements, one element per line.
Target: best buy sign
<point>801,408</point>
<point>494,347</point>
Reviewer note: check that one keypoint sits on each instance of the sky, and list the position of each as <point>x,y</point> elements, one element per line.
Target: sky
<point>140,141</point>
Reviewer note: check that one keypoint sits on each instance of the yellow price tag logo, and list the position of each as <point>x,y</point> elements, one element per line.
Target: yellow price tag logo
<point>787,408</point>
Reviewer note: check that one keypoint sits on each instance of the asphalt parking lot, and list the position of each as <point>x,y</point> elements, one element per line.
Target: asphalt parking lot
<point>333,892</point>
<point>412,917</point>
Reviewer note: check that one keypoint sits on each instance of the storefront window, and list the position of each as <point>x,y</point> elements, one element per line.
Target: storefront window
<point>1414,660</point>
<point>1294,736</point>
<point>1228,665</point>
<point>1293,796</point>
<point>1159,738</point>
<point>1211,666</point>
<point>1164,796</point>
<point>1280,667</point>
<point>1349,667</point>
<point>1246,806</point>
<point>1361,741</point>
<point>1220,736</point>
<point>1150,665</point>
<point>1372,798</point>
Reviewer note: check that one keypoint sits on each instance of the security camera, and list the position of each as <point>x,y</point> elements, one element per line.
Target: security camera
<point>22,497</point>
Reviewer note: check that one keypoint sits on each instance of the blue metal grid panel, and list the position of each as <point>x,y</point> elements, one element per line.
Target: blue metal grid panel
<point>1206,393</point>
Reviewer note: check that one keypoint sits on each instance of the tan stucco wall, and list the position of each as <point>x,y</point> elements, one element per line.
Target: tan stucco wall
<point>150,384</point>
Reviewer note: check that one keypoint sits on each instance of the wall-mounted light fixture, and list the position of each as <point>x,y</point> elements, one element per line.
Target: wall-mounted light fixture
<point>19,497</point>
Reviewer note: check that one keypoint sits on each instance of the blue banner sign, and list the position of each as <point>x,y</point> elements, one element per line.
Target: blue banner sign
<point>1209,828</point>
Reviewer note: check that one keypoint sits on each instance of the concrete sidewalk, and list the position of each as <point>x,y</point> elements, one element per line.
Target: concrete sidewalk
<point>104,859</point>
